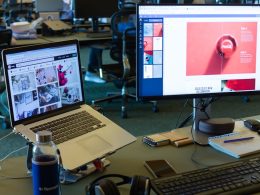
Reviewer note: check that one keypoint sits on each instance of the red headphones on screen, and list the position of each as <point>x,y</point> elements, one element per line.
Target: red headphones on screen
<point>226,46</point>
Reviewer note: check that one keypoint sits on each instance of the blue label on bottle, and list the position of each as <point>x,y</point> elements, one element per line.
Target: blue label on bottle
<point>45,173</point>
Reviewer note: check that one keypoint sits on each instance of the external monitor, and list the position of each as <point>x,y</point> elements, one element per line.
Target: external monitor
<point>197,51</point>
<point>48,5</point>
<point>95,9</point>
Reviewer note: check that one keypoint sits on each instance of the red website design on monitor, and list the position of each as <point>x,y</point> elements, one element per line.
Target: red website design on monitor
<point>204,49</point>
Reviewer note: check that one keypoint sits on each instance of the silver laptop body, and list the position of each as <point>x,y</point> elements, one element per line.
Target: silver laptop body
<point>44,83</point>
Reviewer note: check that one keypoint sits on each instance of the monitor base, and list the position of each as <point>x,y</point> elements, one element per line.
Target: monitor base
<point>212,127</point>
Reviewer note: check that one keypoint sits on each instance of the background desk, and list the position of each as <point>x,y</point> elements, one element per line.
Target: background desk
<point>128,161</point>
<point>81,37</point>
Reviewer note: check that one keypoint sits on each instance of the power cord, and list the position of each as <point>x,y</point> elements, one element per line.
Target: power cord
<point>194,153</point>
<point>2,138</point>
<point>202,106</point>
<point>4,158</point>
<point>8,155</point>
<point>177,123</point>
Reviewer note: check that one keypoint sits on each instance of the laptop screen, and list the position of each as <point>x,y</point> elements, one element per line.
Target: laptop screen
<point>43,78</point>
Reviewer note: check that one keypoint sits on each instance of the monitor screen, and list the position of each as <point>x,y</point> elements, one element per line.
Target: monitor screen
<point>95,9</point>
<point>48,5</point>
<point>42,78</point>
<point>197,50</point>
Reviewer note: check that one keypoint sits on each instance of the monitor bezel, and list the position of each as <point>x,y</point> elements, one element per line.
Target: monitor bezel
<point>101,13</point>
<point>45,114</point>
<point>180,96</point>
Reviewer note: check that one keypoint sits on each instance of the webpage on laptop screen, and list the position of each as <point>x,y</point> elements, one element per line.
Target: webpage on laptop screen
<point>197,49</point>
<point>43,80</point>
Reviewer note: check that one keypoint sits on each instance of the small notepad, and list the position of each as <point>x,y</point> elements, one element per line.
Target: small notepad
<point>236,149</point>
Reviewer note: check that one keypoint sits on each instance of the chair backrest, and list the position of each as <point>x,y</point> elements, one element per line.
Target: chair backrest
<point>5,42</point>
<point>5,38</point>
<point>123,25</point>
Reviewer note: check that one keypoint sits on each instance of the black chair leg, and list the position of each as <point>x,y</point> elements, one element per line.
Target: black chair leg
<point>107,99</point>
<point>124,98</point>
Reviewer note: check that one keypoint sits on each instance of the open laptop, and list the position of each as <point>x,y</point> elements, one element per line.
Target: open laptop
<point>44,84</point>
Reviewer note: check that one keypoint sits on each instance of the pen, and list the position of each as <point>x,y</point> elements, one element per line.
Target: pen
<point>238,139</point>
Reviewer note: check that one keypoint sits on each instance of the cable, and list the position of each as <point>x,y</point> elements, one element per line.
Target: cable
<point>186,120</point>
<point>193,155</point>
<point>204,104</point>
<point>1,161</point>
<point>4,158</point>
<point>195,148</point>
<point>6,135</point>
<point>184,105</point>
<point>10,177</point>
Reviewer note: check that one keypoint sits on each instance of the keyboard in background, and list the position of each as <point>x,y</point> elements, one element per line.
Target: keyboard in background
<point>240,177</point>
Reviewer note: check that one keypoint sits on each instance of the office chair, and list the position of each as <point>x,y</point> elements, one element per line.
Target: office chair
<point>15,11</point>
<point>123,50</point>
<point>5,42</point>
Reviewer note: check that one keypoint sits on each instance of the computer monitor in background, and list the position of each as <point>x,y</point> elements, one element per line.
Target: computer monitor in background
<point>197,51</point>
<point>95,9</point>
<point>67,13</point>
<point>176,1</point>
<point>168,1</point>
<point>48,5</point>
<point>55,9</point>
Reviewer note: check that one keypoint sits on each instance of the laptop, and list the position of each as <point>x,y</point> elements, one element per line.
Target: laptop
<point>44,85</point>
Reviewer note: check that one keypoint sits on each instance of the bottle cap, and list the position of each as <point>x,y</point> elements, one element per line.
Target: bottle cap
<point>43,136</point>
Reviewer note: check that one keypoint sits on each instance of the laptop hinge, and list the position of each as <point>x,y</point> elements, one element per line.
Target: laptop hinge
<point>39,118</point>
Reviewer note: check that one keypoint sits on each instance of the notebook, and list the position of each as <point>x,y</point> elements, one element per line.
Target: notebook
<point>43,84</point>
<point>237,144</point>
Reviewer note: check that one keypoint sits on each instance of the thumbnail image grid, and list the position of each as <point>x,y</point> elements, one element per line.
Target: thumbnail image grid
<point>48,94</point>
<point>65,74</point>
<point>237,85</point>
<point>70,95</point>
<point>46,75</point>
<point>26,104</point>
<point>23,82</point>
<point>152,44</point>
<point>40,91</point>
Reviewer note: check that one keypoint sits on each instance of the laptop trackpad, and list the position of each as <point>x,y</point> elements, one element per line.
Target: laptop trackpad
<point>94,144</point>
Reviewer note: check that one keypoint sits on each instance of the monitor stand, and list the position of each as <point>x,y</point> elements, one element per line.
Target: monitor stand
<point>204,126</point>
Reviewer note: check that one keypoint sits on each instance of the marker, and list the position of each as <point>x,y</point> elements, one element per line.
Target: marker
<point>238,139</point>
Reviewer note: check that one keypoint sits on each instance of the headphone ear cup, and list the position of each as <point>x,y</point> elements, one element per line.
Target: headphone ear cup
<point>106,187</point>
<point>140,185</point>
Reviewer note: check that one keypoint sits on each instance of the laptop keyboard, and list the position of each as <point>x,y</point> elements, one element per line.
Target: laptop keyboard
<point>70,127</point>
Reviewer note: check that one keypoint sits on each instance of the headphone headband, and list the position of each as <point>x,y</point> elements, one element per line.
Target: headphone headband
<point>125,180</point>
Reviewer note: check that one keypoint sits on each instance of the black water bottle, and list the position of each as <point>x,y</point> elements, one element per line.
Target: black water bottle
<point>45,166</point>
